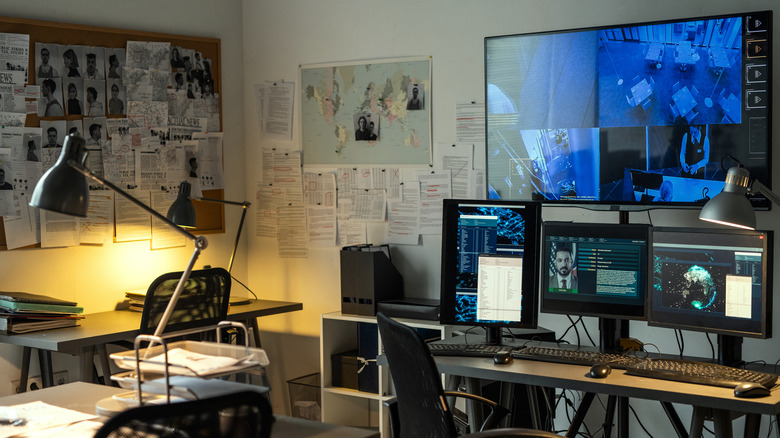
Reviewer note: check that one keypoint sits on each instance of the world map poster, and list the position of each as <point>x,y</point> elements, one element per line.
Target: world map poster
<point>374,112</point>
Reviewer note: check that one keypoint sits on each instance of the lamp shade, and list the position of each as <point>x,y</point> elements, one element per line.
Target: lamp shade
<point>731,207</point>
<point>63,189</point>
<point>182,212</point>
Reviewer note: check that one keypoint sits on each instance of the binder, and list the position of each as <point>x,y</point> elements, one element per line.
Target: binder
<point>25,297</point>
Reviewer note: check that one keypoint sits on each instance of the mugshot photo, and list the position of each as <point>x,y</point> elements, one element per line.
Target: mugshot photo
<point>416,99</point>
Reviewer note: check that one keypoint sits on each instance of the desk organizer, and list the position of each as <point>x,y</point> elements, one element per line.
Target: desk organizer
<point>151,368</point>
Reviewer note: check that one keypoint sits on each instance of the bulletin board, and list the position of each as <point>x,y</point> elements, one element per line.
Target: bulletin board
<point>210,216</point>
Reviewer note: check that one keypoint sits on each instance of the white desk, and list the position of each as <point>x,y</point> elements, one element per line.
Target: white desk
<point>82,396</point>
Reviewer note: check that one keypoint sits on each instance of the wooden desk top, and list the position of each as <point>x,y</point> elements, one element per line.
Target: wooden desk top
<point>618,383</point>
<point>116,325</point>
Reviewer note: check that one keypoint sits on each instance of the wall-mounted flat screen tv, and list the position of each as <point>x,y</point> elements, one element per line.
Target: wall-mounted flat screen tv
<point>629,116</point>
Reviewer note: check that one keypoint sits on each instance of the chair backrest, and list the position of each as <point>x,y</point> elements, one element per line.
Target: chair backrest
<point>422,408</point>
<point>239,414</point>
<point>203,302</point>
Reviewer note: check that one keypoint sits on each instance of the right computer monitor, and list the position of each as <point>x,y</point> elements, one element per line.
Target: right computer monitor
<point>712,280</point>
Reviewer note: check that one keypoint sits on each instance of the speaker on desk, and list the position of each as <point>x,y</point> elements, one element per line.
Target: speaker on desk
<point>367,277</point>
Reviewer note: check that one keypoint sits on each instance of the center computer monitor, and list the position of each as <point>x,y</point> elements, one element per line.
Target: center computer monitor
<point>490,264</point>
<point>594,269</point>
<point>713,280</point>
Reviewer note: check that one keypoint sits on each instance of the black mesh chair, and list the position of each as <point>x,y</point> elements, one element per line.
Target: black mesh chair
<point>420,408</point>
<point>203,302</point>
<point>245,414</point>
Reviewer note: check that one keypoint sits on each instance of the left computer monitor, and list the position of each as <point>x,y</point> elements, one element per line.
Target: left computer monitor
<point>490,264</point>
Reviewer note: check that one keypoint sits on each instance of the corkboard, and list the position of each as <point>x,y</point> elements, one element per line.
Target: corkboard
<point>211,217</point>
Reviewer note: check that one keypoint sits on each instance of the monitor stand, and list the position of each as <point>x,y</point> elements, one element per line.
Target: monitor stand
<point>610,332</point>
<point>493,335</point>
<point>730,350</point>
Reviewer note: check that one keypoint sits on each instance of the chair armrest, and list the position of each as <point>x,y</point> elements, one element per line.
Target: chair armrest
<point>395,422</point>
<point>497,412</point>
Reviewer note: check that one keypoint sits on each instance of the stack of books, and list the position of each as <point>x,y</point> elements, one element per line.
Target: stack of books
<point>135,299</point>
<point>22,312</point>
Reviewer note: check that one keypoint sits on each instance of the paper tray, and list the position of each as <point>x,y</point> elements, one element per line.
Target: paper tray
<point>243,357</point>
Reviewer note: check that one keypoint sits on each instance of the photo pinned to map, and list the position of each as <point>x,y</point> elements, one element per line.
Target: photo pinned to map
<point>341,101</point>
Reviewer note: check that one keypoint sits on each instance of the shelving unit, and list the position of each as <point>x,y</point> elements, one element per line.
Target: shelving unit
<point>339,333</point>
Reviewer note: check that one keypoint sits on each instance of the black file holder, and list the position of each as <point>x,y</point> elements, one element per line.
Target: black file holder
<point>367,277</point>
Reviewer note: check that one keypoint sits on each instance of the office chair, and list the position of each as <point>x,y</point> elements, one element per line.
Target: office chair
<point>202,305</point>
<point>239,414</point>
<point>420,408</point>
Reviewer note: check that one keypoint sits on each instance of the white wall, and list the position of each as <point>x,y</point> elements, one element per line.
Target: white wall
<point>280,35</point>
<point>96,277</point>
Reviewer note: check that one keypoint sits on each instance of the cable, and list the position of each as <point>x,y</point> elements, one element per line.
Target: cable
<point>678,336</point>
<point>712,347</point>
<point>584,327</point>
<point>574,326</point>
<point>245,286</point>
<point>639,421</point>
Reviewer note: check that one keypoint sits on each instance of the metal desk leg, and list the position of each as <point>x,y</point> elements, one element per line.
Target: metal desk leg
<point>44,361</point>
<point>697,422</point>
<point>255,332</point>
<point>610,415</point>
<point>86,364</point>
<point>25,371</point>
<point>579,416</point>
<point>622,416</point>
<point>105,366</point>
<point>675,419</point>
<point>533,405</point>
<point>476,417</point>
<point>722,420</point>
<point>752,425</point>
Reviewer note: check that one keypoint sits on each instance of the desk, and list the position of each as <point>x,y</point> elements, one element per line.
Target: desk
<point>98,329</point>
<point>89,394</point>
<point>618,384</point>
<point>684,101</point>
<point>641,91</point>
<point>655,54</point>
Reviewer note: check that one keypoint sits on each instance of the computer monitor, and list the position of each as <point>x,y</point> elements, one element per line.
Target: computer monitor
<point>490,264</point>
<point>713,280</point>
<point>595,269</point>
<point>629,116</point>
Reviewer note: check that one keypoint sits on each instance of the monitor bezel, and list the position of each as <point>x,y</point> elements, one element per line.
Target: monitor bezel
<point>757,200</point>
<point>636,312</point>
<point>449,254</point>
<point>766,292</point>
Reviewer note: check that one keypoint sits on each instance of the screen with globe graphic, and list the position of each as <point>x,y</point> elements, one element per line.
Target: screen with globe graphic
<point>711,280</point>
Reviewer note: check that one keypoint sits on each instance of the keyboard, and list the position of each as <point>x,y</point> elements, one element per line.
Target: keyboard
<point>700,372</point>
<point>474,350</point>
<point>576,357</point>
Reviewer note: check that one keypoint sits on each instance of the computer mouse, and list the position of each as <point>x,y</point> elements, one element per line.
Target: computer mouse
<point>599,371</point>
<point>503,358</point>
<point>751,390</point>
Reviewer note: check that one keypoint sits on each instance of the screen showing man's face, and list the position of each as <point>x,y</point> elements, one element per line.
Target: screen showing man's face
<point>563,263</point>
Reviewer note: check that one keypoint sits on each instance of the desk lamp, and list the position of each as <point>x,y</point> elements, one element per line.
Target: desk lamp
<point>182,213</point>
<point>731,207</point>
<point>63,189</point>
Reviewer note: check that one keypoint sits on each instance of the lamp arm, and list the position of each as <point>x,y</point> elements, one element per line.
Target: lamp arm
<point>221,201</point>
<point>89,174</point>
<point>244,205</point>
<point>758,187</point>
